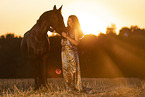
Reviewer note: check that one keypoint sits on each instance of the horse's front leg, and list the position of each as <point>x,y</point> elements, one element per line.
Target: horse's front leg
<point>43,70</point>
<point>37,74</point>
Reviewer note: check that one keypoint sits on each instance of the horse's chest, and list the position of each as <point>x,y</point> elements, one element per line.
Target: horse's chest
<point>42,44</point>
<point>38,45</point>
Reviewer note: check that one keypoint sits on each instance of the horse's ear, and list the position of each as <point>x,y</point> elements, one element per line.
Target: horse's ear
<point>54,7</point>
<point>60,8</point>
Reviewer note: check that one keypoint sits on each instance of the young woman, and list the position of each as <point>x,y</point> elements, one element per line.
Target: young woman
<point>69,54</point>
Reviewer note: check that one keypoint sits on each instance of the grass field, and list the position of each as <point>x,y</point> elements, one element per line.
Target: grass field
<point>103,87</point>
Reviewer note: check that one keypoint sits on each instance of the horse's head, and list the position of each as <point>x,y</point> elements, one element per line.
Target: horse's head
<point>57,22</point>
<point>52,20</point>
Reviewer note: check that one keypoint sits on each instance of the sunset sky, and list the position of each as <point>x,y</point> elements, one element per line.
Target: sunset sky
<point>18,16</point>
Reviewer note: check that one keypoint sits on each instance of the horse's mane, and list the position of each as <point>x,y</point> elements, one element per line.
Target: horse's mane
<point>43,17</point>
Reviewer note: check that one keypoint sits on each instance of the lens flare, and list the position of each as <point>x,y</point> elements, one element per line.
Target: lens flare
<point>58,71</point>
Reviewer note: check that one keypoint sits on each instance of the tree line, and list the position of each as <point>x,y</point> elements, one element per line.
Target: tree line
<point>105,55</point>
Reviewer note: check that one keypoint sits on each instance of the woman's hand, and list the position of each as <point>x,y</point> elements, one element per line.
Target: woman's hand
<point>56,32</point>
<point>69,38</point>
<point>64,35</point>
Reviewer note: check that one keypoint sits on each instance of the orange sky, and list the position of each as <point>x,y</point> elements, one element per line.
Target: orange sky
<point>18,16</point>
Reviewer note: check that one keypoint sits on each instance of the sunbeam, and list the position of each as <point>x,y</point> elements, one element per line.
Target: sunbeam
<point>125,52</point>
<point>109,66</point>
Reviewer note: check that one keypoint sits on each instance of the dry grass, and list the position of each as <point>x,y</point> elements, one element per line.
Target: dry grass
<point>103,87</point>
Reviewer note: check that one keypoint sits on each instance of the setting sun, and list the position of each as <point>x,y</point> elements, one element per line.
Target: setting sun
<point>90,24</point>
<point>93,17</point>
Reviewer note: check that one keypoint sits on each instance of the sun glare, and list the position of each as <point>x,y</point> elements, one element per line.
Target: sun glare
<point>93,17</point>
<point>91,24</point>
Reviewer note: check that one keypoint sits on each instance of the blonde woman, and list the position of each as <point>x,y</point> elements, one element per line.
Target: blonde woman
<point>70,58</point>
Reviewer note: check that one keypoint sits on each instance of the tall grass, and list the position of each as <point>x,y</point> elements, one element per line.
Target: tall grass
<point>103,87</point>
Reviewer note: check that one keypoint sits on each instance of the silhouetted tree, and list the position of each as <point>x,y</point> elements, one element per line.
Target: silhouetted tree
<point>124,32</point>
<point>9,36</point>
<point>2,37</point>
<point>111,29</point>
<point>134,28</point>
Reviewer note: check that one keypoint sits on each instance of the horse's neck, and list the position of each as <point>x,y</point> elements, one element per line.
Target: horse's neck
<point>39,32</point>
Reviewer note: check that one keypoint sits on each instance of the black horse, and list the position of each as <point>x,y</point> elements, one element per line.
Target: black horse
<point>35,44</point>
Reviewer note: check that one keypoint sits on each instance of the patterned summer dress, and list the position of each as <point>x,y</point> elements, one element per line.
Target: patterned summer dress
<point>70,65</point>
